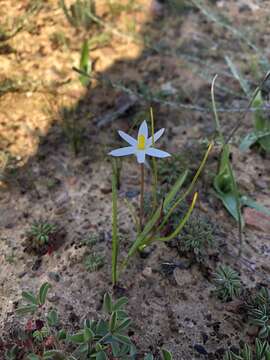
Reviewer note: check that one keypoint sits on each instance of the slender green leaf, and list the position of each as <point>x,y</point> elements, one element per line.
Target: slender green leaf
<point>33,357</point>
<point>115,237</point>
<point>113,321</point>
<point>85,64</point>
<point>238,76</point>
<point>141,237</point>
<point>27,309</point>
<point>43,293</point>
<point>166,355</point>
<point>52,318</point>
<point>88,334</point>
<point>182,222</point>
<point>30,297</point>
<point>77,338</point>
<point>107,303</point>
<point>123,325</point>
<point>174,190</point>
<point>123,339</point>
<point>120,303</point>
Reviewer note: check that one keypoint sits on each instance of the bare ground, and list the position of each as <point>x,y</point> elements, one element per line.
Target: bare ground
<point>49,182</point>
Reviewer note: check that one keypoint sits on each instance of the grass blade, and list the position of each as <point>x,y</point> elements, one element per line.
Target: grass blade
<point>115,237</point>
<point>182,222</point>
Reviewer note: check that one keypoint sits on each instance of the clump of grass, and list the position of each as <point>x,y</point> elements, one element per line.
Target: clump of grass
<point>261,352</point>
<point>94,262</point>
<point>43,237</point>
<point>80,13</point>
<point>227,282</point>
<point>259,312</point>
<point>195,238</point>
<point>90,240</point>
<point>41,232</point>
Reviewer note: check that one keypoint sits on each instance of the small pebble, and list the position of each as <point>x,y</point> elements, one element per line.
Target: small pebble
<point>54,276</point>
<point>200,349</point>
<point>147,272</point>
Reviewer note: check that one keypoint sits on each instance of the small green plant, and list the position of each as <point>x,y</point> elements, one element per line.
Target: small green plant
<point>196,236</point>
<point>41,232</point>
<point>261,352</point>
<point>152,229</point>
<point>225,182</point>
<point>90,240</point>
<point>94,262</point>
<point>43,237</point>
<point>261,133</point>
<point>85,64</point>
<point>259,312</point>
<point>80,13</point>
<point>228,283</point>
<point>103,339</point>
<point>34,302</point>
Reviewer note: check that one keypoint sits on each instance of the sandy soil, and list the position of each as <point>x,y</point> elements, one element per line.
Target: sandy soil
<point>154,49</point>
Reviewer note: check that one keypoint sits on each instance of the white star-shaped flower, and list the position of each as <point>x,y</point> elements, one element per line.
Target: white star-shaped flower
<point>142,146</point>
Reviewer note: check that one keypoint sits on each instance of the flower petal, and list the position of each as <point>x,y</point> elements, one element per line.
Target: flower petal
<point>140,156</point>
<point>143,130</point>
<point>123,151</point>
<point>157,135</point>
<point>157,153</point>
<point>129,139</point>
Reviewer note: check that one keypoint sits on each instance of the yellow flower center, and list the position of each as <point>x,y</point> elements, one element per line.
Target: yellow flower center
<point>141,142</point>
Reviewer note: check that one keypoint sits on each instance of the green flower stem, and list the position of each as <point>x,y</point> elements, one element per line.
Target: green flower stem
<point>115,238</point>
<point>142,197</point>
<point>155,180</point>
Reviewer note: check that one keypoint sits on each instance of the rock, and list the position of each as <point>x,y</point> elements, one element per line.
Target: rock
<point>62,199</point>
<point>22,274</point>
<point>244,8</point>
<point>53,298</point>
<point>54,276</point>
<point>130,194</point>
<point>200,349</point>
<point>147,272</point>
<point>106,189</point>
<point>257,219</point>
<point>168,89</point>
